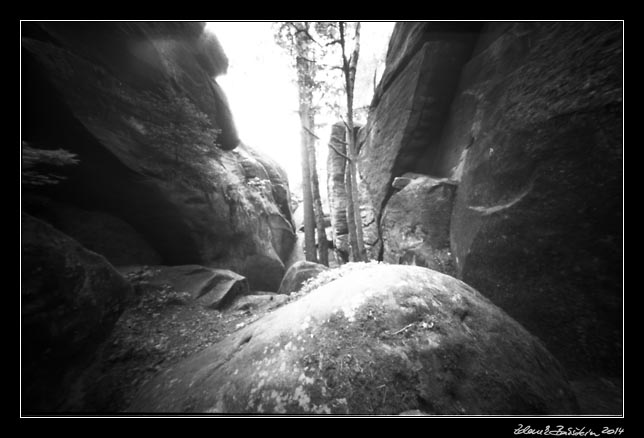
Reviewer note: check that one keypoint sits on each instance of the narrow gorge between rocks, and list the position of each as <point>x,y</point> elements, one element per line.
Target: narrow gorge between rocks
<point>164,270</point>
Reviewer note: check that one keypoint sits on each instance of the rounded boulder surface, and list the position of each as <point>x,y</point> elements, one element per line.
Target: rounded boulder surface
<point>381,339</point>
<point>297,274</point>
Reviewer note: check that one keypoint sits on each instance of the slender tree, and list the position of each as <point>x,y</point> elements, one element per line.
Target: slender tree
<point>304,78</point>
<point>337,34</point>
<point>297,38</point>
<point>349,67</point>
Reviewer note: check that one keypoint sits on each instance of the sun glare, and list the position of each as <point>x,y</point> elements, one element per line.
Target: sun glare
<point>262,91</point>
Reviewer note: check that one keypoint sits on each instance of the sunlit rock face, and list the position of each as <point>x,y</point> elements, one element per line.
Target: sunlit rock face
<point>70,300</point>
<point>379,339</point>
<point>139,104</point>
<point>527,119</point>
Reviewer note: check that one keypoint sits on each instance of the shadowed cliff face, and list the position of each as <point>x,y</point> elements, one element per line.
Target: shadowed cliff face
<point>158,149</point>
<point>525,119</point>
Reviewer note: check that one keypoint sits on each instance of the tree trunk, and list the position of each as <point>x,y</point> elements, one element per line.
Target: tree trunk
<point>354,218</point>
<point>304,78</point>
<point>351,223</point>
<point>323,243</point>
<point>354,199</point>
<point>336,171</point>
<point>307,193</point>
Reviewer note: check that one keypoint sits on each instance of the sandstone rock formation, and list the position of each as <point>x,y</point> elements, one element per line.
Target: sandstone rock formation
<point>213,288</point>
<point>526,118</point>
<point>416,223</point>
<point>383,339</point>
<point>336,169</point>
<point>70,300</point>
<point>537,223</point>
<point>139,105</point>
<point>412,100</point>
<point>100,232</point>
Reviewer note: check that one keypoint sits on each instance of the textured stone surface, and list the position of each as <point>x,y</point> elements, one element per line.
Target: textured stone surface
<point>97,231</point>
<point>370,232</point>
<point>138,104</point>
<point>416,224</point>
<point>250,304</point>
<point>413,101</point>
<point>537,223</point>
<point>70,300</point>
<point>214,288</point>
<point>336,168</point>
<point>298,274</point>
<point>532,131</point>
<point>405,338</point>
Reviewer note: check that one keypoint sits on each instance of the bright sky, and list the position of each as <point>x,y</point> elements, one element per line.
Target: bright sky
<point>263,95</point>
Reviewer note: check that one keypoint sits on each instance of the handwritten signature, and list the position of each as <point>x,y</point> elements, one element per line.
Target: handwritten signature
<point>568,431</point>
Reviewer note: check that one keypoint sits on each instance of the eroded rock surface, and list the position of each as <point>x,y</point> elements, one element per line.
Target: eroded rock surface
<point>527,119</point>
<point>213,288</point>
<point>383,339</point>
<point>71,299</point>
<point>139,105</point>
<point>416,223</point>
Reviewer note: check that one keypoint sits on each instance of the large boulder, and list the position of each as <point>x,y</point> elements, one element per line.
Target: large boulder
<point>139,105</point>
<point>416,223</point>
<point>71,299</point>
<point>297,274</point>
<point>537,222</point>
<point>381,339</point>
<point>527,118</point>
<point>100,232</point>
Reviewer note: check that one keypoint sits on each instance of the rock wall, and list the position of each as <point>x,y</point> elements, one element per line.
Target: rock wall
<point>526,119</point>
<point>71,299</point>
<point>139,104</point>
<point>416,221</point>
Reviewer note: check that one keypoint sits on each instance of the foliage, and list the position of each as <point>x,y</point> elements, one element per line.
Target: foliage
<point>326,57</point>
<point>295,38</point>
<point>36,162</point>
<point>327,84</point>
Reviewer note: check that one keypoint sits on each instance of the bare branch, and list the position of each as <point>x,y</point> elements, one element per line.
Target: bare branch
<point>403,329</point>
<point>305,58</point>
<point>353,59</point>
<point>339,140</point>
<point>306,32</point>
<point>345,124</point>
<point>310,132</point>
<point>337,41</point>
<point>330,145</point>
<point>337,151</point>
